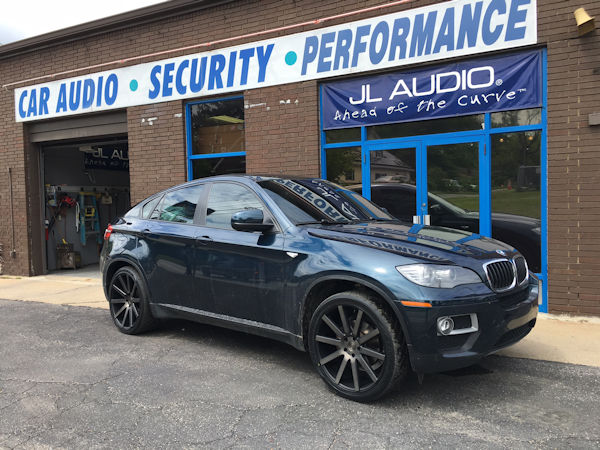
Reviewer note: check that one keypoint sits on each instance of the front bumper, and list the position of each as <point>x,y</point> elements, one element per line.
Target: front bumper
<point>502,321</point>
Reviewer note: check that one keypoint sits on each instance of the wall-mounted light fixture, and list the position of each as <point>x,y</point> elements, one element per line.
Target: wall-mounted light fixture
<point>585,23</point>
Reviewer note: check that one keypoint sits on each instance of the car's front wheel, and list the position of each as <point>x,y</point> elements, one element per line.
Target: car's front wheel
<point>128,300</point>
<point>356,346</point>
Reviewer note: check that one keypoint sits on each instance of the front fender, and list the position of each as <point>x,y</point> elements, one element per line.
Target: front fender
<point>361,280</point>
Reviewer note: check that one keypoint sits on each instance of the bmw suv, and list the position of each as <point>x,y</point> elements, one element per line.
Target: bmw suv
<point>309,263</point>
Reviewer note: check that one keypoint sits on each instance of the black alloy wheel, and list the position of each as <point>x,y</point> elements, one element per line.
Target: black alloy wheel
<point>356,347</point>
<point>129,302</point>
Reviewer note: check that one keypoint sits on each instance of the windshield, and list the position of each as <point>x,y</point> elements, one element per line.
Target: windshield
<point>320,201</point>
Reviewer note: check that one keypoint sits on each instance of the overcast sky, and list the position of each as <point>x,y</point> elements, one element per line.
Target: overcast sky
<point>21,19</point>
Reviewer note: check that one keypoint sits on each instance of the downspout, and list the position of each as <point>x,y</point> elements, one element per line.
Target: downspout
<point>13,252</point>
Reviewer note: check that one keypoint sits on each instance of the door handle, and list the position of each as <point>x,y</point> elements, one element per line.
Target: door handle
<point>148,234</point>
<point>203,240</point>
<point>464,227</point>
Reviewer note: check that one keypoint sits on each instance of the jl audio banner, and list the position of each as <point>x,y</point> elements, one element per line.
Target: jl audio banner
<point>467,87</point>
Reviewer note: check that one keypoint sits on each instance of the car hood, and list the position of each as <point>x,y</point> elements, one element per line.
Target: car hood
<point>429,243</point>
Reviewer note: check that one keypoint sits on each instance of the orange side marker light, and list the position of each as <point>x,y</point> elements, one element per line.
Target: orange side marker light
<point>416,304</point>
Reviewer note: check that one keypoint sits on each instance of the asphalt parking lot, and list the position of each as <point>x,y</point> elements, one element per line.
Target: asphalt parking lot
<point>69,379</point>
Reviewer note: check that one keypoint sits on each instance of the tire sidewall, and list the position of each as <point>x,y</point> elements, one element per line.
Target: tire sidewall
<point>140,324</point>
<point>387,338</point>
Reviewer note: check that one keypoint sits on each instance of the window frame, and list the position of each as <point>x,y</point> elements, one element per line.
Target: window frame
<point>188,135</point>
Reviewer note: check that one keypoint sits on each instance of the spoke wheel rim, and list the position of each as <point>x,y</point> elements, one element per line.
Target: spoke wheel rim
<point>125,300</point>
<point>349,348</point>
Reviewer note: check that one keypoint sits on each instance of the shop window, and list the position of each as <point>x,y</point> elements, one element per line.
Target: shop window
<point>343,162</point>
<point>516,190</point>
<point>516,118</point>
<point>342,135</point>
<point>216,138</point>
<point>404,129</point>
<point>399,201</point>
<point>208,167</point>
<point>393,166</point>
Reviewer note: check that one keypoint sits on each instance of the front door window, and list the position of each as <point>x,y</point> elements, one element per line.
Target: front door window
<point>224,200</point>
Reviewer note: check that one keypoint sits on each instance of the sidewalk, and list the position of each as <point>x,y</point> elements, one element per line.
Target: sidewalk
<point>574,340</point>
<point>80,288</point>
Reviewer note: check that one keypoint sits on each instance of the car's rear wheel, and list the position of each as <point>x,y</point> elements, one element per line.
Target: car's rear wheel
<point>128,301</point>
<point>356,346</point>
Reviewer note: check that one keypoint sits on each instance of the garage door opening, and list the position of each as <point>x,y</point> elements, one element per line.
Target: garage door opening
<point>85,187</point>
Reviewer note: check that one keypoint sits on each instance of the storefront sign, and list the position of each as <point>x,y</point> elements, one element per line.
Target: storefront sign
<point>470,87</point>
<point>454,28</point>
<point>108,158</point>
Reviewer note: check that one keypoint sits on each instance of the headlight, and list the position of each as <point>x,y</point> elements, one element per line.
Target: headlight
<point>537,230</point>
<point>438,276</point>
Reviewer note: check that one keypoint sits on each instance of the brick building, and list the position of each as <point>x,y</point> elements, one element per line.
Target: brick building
<point>518,155</point>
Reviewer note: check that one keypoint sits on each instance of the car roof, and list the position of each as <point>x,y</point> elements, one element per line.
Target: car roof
<point>234,177</point>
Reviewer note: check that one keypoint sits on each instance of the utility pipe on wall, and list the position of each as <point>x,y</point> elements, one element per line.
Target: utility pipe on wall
<point>13,252</point>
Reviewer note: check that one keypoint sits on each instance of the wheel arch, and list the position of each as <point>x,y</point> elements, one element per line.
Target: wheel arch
<point>330,284</point>
<point>117,263</point>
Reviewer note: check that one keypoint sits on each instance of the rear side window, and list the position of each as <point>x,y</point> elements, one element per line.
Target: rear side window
<point>224,200</point>
<point>149,207</point>
<point>180,205</point>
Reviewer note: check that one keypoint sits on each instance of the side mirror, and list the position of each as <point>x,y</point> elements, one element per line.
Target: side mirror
<point>250,220</point>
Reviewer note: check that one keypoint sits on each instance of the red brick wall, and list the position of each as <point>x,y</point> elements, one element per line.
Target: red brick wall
<point>573,158</point>
<point>157,158</point>
<point>282,130</point>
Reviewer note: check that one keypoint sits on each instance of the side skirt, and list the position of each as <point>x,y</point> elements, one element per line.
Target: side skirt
<point>164,310</point>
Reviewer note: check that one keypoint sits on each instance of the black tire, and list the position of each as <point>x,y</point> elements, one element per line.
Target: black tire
<point>353,365</point>
<point>128,302</point>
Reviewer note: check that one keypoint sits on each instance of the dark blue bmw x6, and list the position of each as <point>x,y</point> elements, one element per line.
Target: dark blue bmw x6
<point>312,264</point>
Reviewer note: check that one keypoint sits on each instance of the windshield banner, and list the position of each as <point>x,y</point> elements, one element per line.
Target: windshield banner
<point>444,30</point>
<point>467,87</point>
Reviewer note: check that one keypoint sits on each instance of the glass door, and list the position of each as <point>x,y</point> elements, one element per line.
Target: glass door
<point>431,181</point>
<point>453,180</point>
<point>391,178</point>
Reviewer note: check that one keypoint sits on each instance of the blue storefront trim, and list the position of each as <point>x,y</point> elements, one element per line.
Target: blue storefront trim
<point>483,137</point>
<point>188,136</point>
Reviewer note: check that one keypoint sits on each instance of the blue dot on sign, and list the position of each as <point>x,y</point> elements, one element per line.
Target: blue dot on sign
<point>291,58</point>
<point>133,85</point>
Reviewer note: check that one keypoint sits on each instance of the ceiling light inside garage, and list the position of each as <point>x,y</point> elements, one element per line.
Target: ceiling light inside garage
<point>226,119</point>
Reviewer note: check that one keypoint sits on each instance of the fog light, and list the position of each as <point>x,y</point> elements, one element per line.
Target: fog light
<point>445,325</point>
